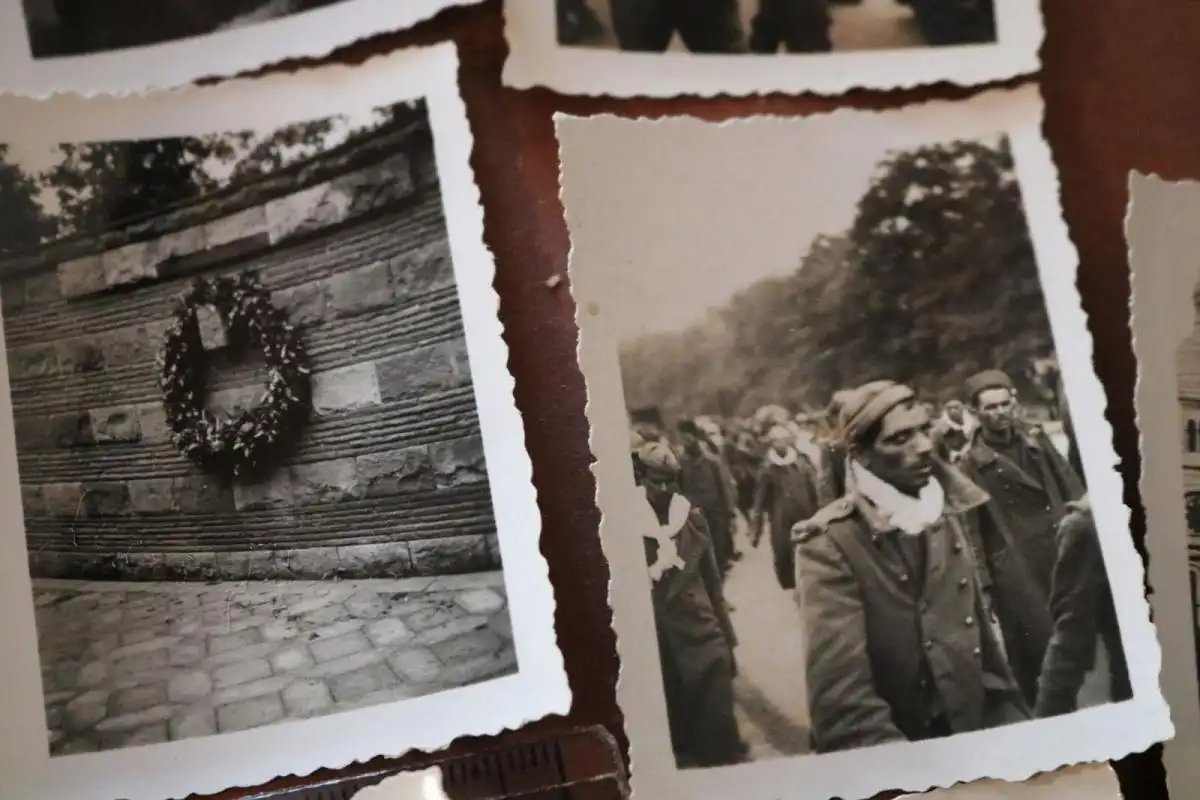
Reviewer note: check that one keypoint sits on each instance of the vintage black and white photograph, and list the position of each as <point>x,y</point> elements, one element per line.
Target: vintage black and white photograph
<point>252,472</point>
<point>664,47</point>
<point>132,45</point>
<point>1162,238</point>
<point>850,445</point>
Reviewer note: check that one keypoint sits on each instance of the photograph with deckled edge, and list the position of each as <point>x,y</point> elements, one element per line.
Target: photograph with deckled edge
<point>1161,234</point>
<point>277,501</point>
<point>662,48</point>
<point>134,45</point>
<point>837,422</point>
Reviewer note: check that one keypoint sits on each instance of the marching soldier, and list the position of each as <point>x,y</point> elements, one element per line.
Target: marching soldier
<point>900,645</point>
<point>786,494</point>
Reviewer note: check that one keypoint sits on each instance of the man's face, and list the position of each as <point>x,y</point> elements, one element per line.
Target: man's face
<point>995,408</point>
<point>955,411</point>
<point>902,454</point>
<point>659,484</point>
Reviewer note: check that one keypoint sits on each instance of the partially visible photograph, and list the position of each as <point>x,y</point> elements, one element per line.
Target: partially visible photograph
<point>663,48</point>
<point>767,27</point>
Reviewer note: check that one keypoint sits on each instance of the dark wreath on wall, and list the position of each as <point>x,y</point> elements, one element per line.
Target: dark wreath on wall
<point>250,444</point>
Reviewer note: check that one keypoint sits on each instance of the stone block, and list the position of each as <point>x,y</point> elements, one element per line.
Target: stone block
<point>379,185</point>
<point>81,276</point>
<point>32,361</point>
<point>251,713</point>
<point>34,433</point>
<point>118,424</point>
<point>418,371</point>
<point>228,642</point>
<point>387,632</point>
<point>345,389</point>
<point>389,472</point>
<point>242,225</point>
<point>33,504</point>
<point>86,710</point>
<point>152,495</point>
<point>304,304</point>
<point>130,264</point>
<point>42,288</point>
<point>190,722</point>
<point>136,719</point>
<point>290,658</point>
<point>348,644</point>
<point>197,494</point>
<point>325,481</point>
<point>308,210</point>
<point>188,687</point>
<point>152,422</point>
<point>423,269</point>
<point>351,686</point>
<point>12,295</point>
<point>127,346</point>
<point>467,646</point>
<point>449,555</point>
<point>307,697</point>
<point>107,499</point>
<point>273,492</point>
<point>360,290</point>
<point>415,664</point>
<point>63,499</point>
<point>80,355</point>
<point>365,604</point>
<point>382,560</point>
<point>459,362</point>
<point>480,601</point>
<point>187,652</point>
<point>180,243</point>
<point>72,430</point>
<point>213,335</point>
<point>459,461</point>
<point>240,672</point>
<point>139,698</point>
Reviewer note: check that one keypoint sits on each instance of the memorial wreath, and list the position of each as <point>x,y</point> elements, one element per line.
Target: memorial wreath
<point>249,443</point>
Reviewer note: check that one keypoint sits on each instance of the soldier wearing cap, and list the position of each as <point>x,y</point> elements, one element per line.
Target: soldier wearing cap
<point>1018,465</point>
<point>695,634</point>
<point>786,493</point>
<point>900,645</point>
<point>705,481</point>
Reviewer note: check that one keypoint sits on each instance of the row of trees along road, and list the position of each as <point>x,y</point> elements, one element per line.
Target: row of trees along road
<point>935,280</point>
<point>95,186</point>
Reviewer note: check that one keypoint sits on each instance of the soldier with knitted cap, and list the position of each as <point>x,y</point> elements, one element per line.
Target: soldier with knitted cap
<point>695,634</point>
<point>900,643</point>
<point>785,493</point>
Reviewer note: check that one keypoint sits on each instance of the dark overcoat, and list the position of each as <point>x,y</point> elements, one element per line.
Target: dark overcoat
<point>705,482</point>
<point>1033,502</point>
<point>1082,606</point>
<point>786,494</point>
<point>695,641</point>
<point>893,654</point>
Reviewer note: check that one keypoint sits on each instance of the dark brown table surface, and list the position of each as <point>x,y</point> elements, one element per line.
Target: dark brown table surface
<point>1121,81</point>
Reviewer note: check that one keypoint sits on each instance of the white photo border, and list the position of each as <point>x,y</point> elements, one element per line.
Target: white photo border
<point>536,59</point>
<point>1011,753</point>
<point>209,764</point>
<point>308,34</point>
<point>1163,239</point>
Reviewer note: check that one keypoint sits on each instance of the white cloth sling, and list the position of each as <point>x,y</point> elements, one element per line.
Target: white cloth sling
<point>668,552</point>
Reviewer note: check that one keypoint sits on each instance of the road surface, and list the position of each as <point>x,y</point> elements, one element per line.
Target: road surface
<point>871,25</point>
<point>771,705</point>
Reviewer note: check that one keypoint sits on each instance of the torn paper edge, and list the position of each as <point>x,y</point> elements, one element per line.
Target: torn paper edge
<point>536,59</point>
<point>1011,753</point>
<point>427,723</point>
<point>307,34</point>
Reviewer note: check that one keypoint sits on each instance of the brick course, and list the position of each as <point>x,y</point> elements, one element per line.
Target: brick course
<point>387,481</point>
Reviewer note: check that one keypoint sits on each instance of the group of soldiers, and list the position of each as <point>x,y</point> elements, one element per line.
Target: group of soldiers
<point>797,26</point>
<point>945,563</point>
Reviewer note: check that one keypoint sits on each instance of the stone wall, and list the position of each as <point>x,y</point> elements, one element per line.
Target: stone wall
<point>389,477</point>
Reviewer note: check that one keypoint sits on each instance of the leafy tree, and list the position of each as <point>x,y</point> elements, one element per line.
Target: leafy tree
<point>22,222</point>
<point>935,279</point>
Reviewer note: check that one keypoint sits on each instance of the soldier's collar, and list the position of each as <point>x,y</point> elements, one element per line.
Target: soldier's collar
<point>985,453</point>
<point>962,495</point>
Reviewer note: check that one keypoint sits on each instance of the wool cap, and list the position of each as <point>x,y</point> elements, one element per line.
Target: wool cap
<point>658,457</point>
<point>988,379</point>
<point>868,404</point>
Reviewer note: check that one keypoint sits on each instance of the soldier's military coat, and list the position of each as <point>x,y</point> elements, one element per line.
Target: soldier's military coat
<point>786,493</point>
<point>899,644</point>
<point>695,642</point>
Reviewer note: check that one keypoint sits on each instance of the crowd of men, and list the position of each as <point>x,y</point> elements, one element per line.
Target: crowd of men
<point>797,26</point>
<point>945,562</point>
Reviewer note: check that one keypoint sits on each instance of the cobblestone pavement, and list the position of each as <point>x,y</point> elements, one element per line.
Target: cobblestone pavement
<point>140,663</point>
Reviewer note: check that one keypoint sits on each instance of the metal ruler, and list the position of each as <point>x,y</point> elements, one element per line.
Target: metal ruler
<point>583,764</point>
